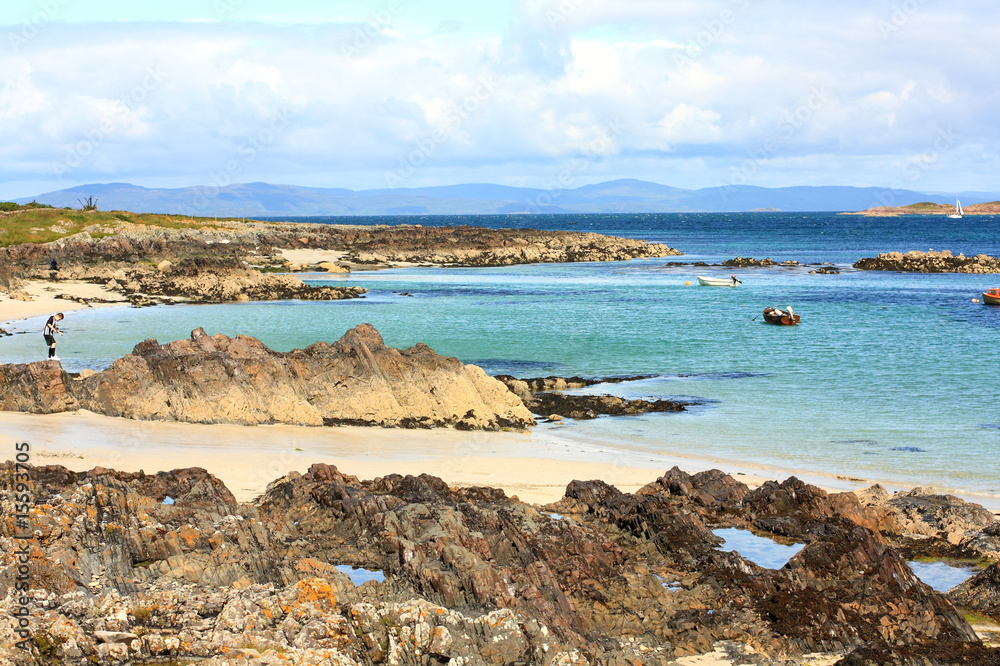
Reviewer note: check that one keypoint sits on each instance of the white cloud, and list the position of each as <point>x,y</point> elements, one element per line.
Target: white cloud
<point>689,124</point>
<point>360,103</point>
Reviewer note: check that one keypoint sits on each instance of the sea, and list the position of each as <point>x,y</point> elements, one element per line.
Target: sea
<point>890,377</point>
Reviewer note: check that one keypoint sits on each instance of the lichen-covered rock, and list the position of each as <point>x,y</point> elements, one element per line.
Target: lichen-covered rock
<point>41,388</point>
<point>470,576</point>
<point>930,262</point>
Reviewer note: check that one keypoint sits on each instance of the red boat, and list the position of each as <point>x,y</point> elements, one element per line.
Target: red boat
<point>780,317</point>
<point>991,297</point>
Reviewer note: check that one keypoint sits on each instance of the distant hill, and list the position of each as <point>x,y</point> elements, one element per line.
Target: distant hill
<point>617,196</point>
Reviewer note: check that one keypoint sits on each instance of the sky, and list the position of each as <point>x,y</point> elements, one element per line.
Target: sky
<point>368,94</point>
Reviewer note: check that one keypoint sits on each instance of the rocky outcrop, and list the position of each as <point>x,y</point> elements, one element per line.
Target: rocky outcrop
<point>930,262</point>
<point>372,245</point>
<point>357,380</point>
<point>750,262</point>
<point>981,592</point>
<point>926,524</point>
<point>469,574</point>
<point>199,280</point>
<point>39,388</point>
<point>543,396</point>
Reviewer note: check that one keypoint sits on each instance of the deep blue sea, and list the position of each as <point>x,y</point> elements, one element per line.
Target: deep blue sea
<point>889,377</point>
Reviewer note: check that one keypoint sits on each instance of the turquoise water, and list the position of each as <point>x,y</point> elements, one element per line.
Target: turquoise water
<point>889,376</point>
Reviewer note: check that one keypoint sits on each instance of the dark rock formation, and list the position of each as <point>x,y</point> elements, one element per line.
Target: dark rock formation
<point>592,406</point>
<point>200,280</point>
<point>542,396</point>
<point>357,380</point>
<point>750,262</point>
<point>981,592</point>
<point>930,262</point>
<point>471,574</point>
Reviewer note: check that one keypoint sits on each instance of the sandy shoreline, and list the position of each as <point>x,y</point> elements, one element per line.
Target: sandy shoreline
<point>535,465</point>
<point>44,301</point>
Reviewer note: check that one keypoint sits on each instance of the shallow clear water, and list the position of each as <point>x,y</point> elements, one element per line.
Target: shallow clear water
<point>940,575</point>
<point>359,576</point>
<point>889,376</point>
<point>760,550</point>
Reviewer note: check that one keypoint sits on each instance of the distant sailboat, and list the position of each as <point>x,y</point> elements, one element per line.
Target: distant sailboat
<point>958,210</point>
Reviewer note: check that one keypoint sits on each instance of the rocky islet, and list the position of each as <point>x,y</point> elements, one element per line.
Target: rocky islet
<point>357,380</point>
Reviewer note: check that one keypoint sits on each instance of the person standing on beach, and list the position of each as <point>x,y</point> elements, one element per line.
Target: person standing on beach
<point>50,330</point>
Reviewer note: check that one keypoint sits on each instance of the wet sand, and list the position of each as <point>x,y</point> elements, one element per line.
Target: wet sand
<point>534,466</point>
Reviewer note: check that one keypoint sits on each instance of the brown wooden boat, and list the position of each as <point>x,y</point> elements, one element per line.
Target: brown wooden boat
<point>781,317</point>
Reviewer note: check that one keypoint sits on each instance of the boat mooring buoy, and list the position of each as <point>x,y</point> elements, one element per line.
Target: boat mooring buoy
<point>688,283</point>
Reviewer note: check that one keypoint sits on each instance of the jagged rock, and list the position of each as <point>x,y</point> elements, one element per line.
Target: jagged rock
<point>205,280</point>
<point>40,387</point>
<point>709,488</point>
<point>980,592</point>
<point>470,575</point>
<point>918,514</point>
<point>357,380</point>
<point>930,262</point>
<point>745,262</point>
<point>538,396</point>
<point>985,543</point>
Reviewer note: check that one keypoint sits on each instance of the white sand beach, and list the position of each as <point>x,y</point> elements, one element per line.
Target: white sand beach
<point>534,466</point>
<point>44,299</point>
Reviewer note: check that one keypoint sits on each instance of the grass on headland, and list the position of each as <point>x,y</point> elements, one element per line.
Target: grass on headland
<point>36,223</point>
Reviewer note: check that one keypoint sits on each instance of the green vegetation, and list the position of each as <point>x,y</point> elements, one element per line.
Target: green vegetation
<point>972,617</point>
<point>926,205</point>
<point>142,614</point>
<point>973,562</point>
<point>88,204</point>
<point>8,206</point>
<point>36,223</point>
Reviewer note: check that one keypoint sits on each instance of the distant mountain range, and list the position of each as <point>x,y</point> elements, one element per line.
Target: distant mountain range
<point>617,196</point>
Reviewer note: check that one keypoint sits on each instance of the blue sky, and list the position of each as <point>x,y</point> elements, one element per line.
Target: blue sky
<point>541,93</point>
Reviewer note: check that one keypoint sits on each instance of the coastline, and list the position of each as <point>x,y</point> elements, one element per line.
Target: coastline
<point>534,465</point>
<point>44,301</point>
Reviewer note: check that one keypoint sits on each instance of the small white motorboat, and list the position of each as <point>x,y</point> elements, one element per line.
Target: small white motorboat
<point>717,282</point>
